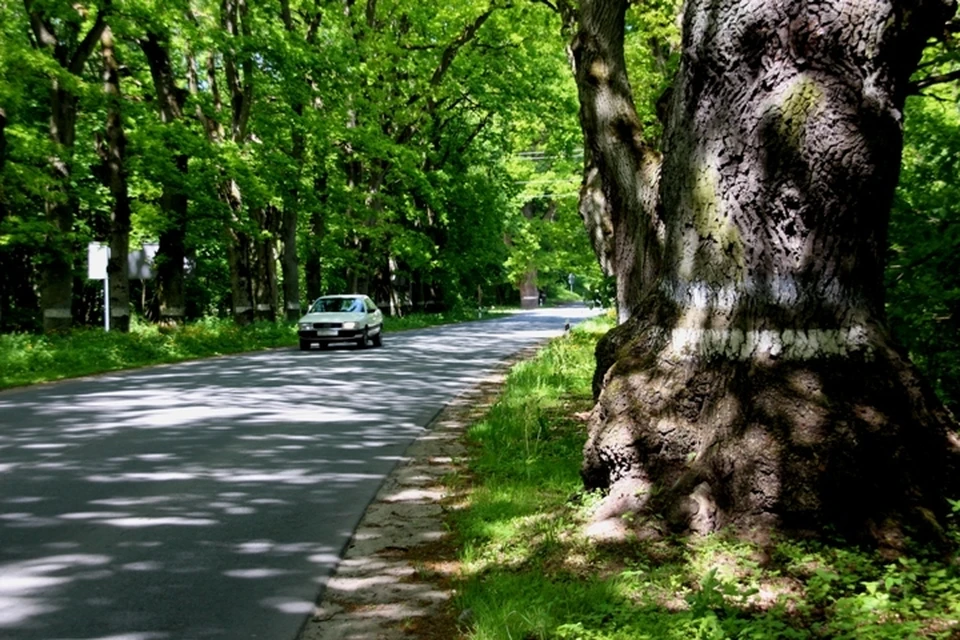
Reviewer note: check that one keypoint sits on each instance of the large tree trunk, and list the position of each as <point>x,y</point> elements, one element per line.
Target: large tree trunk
<point>173,199</point>
<point>172,251</point>
<point>313,264</point>
<point>238,70</point>
<point>756,385</point>
<point>265,293</point>
<point>115,177</point>
<point>56,268</point>
<point>71,52</point>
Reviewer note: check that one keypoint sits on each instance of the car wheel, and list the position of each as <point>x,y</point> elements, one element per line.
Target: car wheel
<point>304,345</point>
<point>378,339</point>
<point>363,340</point>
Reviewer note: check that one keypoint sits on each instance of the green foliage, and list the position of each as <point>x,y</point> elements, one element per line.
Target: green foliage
<point>527,572</point>
<point>923,273</point>
<point>390,138</point>
<point>30,359</point>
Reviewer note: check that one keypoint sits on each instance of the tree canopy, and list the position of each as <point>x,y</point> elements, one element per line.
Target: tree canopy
<point>279,150</point>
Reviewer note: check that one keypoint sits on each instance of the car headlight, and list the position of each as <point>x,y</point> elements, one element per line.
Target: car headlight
<point>350,325</point>
<point>305,325</point>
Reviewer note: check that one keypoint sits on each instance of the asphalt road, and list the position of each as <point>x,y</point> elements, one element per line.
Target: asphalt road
<point>212,499</point>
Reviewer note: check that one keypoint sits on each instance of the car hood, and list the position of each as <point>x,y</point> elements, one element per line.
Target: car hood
<point>332,317</point>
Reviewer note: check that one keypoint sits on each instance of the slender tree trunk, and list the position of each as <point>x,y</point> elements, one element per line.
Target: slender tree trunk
<point>289,259</point>
<point>115,174</point>
<point>239,76</point>
<point>756,385</point>
<point>314,261</point>
<point>4,295</point>
<point>173,199</point>
<point>619,193</point>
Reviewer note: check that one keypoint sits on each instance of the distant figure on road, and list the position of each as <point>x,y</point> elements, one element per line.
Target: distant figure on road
<point>541,298</point>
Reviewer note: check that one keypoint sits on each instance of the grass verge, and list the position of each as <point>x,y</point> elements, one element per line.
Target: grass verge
<point>29,359</point>
<point>527,573</point>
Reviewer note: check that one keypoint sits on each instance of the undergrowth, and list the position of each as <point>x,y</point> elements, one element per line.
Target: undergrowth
<point>527,573</point>
<point>29,359</point>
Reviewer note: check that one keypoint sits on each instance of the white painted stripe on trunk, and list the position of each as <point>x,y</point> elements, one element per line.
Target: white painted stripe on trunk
<point>240,310</point>
<point>171,311</point>
<point>788,344</point>
<point>264,307</point>
<point>781,289</point>
<point>57,313</point>
<point>293,306</point>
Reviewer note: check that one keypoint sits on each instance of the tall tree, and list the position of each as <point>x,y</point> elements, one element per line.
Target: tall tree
<point>300,37</point>
<point>3,210</point>
<point>113,155</point>
<point>238,70</point>
<point>174,202</point>
<point>755,383</point>
<point>63,36</point>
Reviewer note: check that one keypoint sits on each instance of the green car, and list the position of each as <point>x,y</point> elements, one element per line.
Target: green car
<point>345,318</point>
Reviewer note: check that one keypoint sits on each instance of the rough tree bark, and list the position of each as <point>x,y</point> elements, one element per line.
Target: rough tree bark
<point>755,385</point>
<point>618,198</point>
<point>113,153</point>
<point>173,199</point>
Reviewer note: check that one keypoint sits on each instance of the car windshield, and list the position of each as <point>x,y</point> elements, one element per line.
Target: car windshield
<point>337,305</point>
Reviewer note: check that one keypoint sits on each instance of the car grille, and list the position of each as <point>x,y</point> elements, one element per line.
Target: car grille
<point>327,325</point>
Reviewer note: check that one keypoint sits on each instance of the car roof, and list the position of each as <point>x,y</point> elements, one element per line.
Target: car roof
<point>344,295</point>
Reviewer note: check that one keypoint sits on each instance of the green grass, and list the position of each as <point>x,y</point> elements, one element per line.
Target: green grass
<point>528,573</point>
<point>29,359</point>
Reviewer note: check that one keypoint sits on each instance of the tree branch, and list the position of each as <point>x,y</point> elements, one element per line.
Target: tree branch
<point>917,86</point>
<point>314,25</point>
<point>286,16</point>
<point>450,53</point>
<point>42,30</point>
<point>90,41</point>
<point>552,6</point>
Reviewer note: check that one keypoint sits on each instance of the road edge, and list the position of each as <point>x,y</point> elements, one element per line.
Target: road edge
<point>386,585</point>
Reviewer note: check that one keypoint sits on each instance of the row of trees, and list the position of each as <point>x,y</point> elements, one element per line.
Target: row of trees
<point>278,150</point>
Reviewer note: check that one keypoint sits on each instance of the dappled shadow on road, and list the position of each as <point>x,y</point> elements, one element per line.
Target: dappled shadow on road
<point>212,499</point>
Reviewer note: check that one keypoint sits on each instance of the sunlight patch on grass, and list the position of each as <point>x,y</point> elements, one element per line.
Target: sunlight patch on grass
<point>527,572</point>
<point>29,359</point>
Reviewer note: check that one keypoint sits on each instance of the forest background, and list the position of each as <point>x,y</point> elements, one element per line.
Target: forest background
<point>427,154</point>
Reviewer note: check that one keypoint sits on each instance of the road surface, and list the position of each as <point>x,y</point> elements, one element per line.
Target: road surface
<point>212,499</point>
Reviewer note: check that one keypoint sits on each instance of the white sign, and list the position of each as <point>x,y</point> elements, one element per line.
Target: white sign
<point>140,263</point>
<point>97,256</point>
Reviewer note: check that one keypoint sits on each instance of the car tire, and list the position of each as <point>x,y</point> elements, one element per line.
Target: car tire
<point>364,339</point>
<point>378,339</point>
<point>305,345</point>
